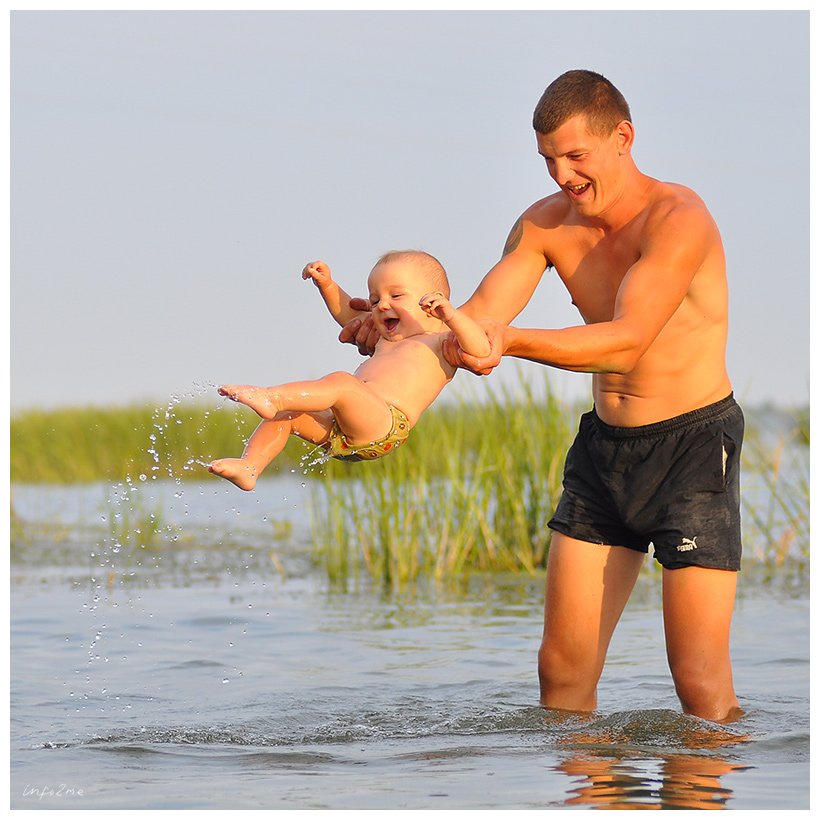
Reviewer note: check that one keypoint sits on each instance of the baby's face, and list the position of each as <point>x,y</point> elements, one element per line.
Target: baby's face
<point>395,289</point>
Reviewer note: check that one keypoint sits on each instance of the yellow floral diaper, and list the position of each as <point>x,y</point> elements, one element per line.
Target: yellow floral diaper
<point>338,447</point>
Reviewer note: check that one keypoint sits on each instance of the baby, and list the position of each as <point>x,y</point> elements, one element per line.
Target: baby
<point>367,414</point>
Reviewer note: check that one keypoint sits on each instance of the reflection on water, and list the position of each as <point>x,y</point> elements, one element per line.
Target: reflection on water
<point>682,782</point>
<point>219,670</point>
<point>612,769</point>
<point>609,764</point>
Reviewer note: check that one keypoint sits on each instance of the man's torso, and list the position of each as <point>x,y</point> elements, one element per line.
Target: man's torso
<point>684,368</point>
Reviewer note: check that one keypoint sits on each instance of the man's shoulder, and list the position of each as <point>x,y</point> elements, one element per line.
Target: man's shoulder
<point>676,208</point>
<point>672,196</point>
<point>550,212</point>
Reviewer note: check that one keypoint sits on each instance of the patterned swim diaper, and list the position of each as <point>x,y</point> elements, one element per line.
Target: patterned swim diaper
<point>337,445</point>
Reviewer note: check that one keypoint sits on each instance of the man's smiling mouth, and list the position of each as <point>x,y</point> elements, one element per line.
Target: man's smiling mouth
<point>577,190</point>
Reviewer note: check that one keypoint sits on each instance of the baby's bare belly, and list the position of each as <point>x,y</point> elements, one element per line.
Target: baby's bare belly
<point>411,385</point>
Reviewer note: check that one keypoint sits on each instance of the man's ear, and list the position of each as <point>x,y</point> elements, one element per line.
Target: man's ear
<point>625,135</point>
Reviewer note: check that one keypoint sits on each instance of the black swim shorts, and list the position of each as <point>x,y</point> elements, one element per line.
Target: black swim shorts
<point>674,484</point>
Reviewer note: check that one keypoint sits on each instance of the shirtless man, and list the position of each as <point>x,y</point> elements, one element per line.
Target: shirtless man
<point>657,460</point>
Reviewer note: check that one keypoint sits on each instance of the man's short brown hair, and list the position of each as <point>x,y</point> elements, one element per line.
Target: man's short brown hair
<point>581,92</point>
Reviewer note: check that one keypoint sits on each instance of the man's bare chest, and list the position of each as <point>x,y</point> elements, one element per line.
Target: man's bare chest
<point>592,268</point>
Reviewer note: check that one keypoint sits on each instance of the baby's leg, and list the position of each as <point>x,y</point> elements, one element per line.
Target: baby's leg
<point>362,414</point>
<point>264,400</point>
<point>267,441</point>
<point>263,446</point>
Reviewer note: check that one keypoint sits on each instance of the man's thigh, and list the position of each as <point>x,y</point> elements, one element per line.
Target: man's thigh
<point>697,609</point>
<point>588,586</point>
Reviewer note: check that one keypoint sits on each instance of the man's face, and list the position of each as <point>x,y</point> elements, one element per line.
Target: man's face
<point>588,168</point>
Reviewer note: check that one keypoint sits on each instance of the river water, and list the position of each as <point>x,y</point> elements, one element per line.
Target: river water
<point>222,670</point>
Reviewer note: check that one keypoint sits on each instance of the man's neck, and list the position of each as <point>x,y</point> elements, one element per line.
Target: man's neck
<point>632,200</point>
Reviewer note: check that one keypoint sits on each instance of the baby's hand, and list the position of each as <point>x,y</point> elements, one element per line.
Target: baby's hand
<point>436,304</point>
<point>318,271</point>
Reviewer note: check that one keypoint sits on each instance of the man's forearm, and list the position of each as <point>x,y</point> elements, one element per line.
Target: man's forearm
<point>597,348</point>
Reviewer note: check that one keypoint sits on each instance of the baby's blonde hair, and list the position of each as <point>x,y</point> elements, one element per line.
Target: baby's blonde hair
<point>428,264</point>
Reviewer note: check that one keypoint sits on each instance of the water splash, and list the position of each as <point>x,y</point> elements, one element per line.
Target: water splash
<point>314,459</point>
<point>654,728</point>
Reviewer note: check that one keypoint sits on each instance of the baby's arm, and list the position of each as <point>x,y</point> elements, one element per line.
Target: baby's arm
<point>470,335</point>
<point>337,301</point>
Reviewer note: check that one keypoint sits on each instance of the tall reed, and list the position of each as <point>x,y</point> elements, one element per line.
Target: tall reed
<point>472,488</point>
<point>776,497</point>
<point>79,445</point>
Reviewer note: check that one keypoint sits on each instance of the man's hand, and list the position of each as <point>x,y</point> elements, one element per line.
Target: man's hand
<point>361,332</point>
<point>480,366</point>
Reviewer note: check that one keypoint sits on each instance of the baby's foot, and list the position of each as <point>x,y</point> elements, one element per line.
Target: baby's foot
<point>263,400</point>
<point>236,470</point>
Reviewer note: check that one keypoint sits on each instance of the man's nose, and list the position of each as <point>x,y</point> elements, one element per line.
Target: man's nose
<point>563,172</point>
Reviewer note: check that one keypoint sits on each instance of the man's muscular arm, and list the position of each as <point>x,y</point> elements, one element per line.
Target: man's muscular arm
<point>505,291</point>
<point>673,249</point>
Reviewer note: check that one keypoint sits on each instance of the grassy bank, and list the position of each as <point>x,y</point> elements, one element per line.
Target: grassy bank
<point>472,489</point>
<point>79,445</point>
<point>88,444</point>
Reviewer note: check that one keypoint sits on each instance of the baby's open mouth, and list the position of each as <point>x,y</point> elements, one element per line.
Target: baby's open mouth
<point>391,324</point>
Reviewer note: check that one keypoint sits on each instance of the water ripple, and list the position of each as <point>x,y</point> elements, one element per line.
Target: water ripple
<point>658,730</point>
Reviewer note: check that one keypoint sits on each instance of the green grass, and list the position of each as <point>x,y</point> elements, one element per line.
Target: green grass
<point>475,485</point>
<point>80,445</point>
<point>472,489</point>
<point>777,496</point>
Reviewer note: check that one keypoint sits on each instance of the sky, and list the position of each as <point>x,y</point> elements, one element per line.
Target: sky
<point>172,173</point>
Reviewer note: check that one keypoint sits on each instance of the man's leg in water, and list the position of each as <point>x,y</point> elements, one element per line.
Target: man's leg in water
<point>697,616</point>
<point>588,586</point>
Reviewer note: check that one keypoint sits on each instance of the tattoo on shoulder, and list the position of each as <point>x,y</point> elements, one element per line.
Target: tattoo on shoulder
<point>514,239</point>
